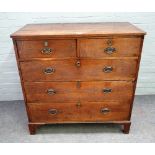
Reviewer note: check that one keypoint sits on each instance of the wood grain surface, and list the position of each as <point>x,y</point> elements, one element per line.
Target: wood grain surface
<point>66,70</point>
<point>77,30</point>
<point>69,112</point>
<point>75,91</point>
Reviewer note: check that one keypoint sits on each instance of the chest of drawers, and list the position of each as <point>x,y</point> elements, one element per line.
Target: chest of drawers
<point>78,73</point>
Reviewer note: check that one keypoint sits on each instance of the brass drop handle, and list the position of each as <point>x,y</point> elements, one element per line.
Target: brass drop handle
<point>53,111</point>
<point>105,111</point>
<point>107,69</point>
<point>78,63</point>
<point>51,91</point>
<point>110,50</point>
<point>107,90</point>
<point>46,50</point>
<point>49,70</point>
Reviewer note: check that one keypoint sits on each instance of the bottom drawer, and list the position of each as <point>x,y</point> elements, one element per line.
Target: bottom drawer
<point>78,112</point>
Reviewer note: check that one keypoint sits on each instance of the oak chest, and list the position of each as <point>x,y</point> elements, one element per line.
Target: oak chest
<point>78,73</point>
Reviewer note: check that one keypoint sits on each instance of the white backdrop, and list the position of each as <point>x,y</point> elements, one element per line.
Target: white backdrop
<point>10,88</point>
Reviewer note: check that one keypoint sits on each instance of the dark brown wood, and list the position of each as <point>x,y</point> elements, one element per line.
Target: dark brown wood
<point>33,127</point>
<point>126,128</point>
<point>78,73</point>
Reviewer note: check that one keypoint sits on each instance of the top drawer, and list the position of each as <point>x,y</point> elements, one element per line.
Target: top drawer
<point>116,47</point>
<point>46,49</point>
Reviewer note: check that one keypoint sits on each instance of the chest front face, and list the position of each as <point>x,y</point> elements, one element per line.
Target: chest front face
<point>85,78</point>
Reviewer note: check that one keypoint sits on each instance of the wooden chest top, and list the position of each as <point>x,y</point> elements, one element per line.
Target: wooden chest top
<point>77,30</point>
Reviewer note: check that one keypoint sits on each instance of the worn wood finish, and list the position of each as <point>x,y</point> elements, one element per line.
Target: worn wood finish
<point>77,30</point>
<point>73,88</point>
<point>74,91</point>
<point>85,112</point>
<point>95,48</point>
<point>59,49</point>
<point>66,70</point>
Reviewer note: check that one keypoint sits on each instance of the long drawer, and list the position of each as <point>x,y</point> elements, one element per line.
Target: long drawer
<point>75,91</point>
<point>116,47</point>
<point>86,112</point>
<point>69,70</point>
<point>47,49</point>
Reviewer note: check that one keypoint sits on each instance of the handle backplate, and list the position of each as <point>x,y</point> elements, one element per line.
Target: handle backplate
<point>51,91</point>
<point>53,111</point>
<point>107,69</point>
<point>105,111</point>
<point>107,90</point>
<point>46,50</point>
<point>49,70</point>
<point>110,50</point>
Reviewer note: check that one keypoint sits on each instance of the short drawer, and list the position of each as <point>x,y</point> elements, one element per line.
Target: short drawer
<point>73,112</point>
<point>116,47</point>
<point>75,91</point>
<point>68,70</point>
<point>46,49</point>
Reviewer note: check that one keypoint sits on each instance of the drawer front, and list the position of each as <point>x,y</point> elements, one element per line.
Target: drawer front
<point>86,112</point>
<point>47,49</point>
<point>66,70</point>
<point>118,47</point>
<point>75,91</point>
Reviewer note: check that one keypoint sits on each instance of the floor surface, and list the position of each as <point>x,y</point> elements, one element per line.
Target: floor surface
<point>13,126</point>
